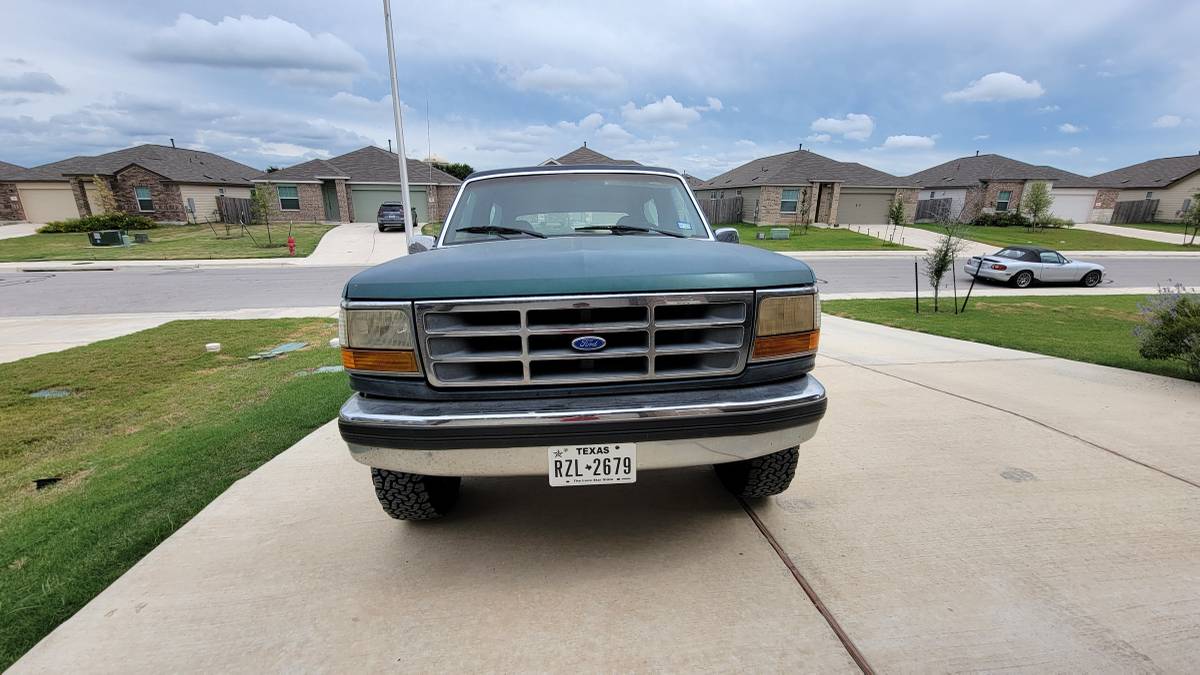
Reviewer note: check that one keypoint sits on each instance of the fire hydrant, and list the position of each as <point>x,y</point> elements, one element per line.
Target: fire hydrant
<point>291,245</point>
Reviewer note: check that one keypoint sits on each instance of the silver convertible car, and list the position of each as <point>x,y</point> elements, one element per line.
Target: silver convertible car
<point>1022,265</point>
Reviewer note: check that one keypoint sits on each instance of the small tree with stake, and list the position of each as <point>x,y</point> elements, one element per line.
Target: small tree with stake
<point>261,199</point>
<point>1036,203</point>
<point>1191,221</point>
<point>940,258</point>
<point>895,216</point>
<point>803,202</point>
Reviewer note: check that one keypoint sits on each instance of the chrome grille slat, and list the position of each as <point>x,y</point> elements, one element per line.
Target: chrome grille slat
<point>702,334</point>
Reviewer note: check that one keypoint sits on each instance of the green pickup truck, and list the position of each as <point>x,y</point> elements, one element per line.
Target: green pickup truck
<point>583,323</point>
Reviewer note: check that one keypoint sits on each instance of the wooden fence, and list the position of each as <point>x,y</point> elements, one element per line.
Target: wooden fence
<point>235,210</point>
<point>936,210</point>
<point>722,211</point>
<point>1140,211</point>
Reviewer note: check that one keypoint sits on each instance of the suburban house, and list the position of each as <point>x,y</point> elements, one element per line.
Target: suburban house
<point>693,182</point>
<point>349,188</point>
<point>784,188</point>
<point>963,188</point>
<point>585,155</point>
<point>1170,181</point>
<point>163,182</point>
<point>10,201</point>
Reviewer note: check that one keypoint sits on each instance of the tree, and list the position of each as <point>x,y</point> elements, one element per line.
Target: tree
<point>272,169</point>
<point>895,215</point>
<point>1036,203</point>
<point>261,199</point>
<point>803,202</point>
<point>104,195</point>
<point>1191,220</point>
<point>940,258</point>
<point>457,169</point>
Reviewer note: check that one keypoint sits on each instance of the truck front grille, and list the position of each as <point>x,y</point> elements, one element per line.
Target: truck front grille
<point>528,341</point>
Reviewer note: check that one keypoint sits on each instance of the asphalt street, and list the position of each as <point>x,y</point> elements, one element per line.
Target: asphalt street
<point>155,289</point>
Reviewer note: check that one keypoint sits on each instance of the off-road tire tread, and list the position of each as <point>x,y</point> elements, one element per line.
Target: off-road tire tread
<point>762,476</point>
<point>412,496</point>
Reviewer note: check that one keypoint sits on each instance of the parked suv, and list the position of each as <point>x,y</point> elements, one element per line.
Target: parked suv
<point>391,215</point>
<point>582,323</point>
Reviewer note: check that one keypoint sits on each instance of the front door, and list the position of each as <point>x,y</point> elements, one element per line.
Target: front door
<point>329,193</point>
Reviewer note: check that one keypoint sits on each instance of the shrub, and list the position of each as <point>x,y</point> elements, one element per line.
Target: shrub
<point>1054,221</point>
<point>1001,219</point>
<point>103,221</point>
<point>1171,328</point>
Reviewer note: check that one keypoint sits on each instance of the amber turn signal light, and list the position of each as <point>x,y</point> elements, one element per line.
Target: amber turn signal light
<point>788,344</point>
<point>380,360</point>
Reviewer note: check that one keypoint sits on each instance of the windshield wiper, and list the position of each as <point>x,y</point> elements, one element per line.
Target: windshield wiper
<point>622,229</point>
<point>500,231</point>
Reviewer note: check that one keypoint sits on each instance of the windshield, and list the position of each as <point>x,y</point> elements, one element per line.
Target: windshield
<point>574,205</point>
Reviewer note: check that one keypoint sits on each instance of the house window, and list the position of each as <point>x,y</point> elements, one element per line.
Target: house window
<point>289,198</point>
<point>931,194</point>
<point>220,192</point>
<point>787,202</point>
<point>1003,199</point>
<point>145,202</point>
<point>1149,195</point>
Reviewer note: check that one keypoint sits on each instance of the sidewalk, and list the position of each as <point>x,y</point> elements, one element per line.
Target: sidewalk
<point>946,520</point>
<point>18,230</point>
<point>1135,233</point>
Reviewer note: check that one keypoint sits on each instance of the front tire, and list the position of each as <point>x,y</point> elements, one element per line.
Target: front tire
<point>382,228</point>
<point>1023,279</point>
<point>1091,279</point>
<point>760,477</point>
<point>414,496</point>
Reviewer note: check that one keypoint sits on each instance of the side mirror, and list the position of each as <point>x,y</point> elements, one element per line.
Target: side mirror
<point>421,243</point>
<point>729,235</point>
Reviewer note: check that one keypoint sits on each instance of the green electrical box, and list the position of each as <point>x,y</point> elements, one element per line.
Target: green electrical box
<point>780,233</point>
<point>106,238</point>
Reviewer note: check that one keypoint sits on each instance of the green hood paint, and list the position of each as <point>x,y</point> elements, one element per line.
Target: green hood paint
<point>576,265</point>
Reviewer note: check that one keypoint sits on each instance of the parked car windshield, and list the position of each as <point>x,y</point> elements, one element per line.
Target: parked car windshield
<point>558,205</point>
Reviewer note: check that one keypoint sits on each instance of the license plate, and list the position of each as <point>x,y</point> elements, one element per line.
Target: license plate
<point>599,464</point>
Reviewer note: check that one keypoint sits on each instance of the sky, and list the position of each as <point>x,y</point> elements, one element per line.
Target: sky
<point>698,86</point>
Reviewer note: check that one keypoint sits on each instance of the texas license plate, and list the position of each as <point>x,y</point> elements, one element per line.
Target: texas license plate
<point>598,464</point>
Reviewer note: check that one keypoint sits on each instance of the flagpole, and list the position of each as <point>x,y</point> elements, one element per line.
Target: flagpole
<point>409,225</point>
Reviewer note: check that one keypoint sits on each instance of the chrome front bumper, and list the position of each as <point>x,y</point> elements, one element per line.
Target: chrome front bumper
<point>510,437</point>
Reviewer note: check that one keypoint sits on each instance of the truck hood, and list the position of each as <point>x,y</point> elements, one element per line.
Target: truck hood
<point>576,265</point>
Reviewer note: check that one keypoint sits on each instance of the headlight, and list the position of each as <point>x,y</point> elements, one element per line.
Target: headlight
<point>378,340</point>
<point>788,325</point>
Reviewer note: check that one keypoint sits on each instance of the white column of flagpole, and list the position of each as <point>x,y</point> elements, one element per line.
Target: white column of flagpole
<point>409,225</point>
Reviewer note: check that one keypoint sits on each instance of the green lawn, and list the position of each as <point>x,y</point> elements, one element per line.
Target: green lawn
<point>169,242</point>
<point>1095,329</point>
<point>154,429</point>
<point>817,239</point>
<point>1062,238</point>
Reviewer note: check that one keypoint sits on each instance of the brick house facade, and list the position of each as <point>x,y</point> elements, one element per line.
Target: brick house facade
<point>823,202</point>
<point>1106,202</point>
<point>10,203</point>
<point>312,203</point>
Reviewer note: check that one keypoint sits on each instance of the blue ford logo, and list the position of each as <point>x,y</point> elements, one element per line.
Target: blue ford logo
<point>588,343</point>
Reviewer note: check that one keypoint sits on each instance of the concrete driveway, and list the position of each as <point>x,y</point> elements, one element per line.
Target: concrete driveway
<point>962,508</point>
<point>358,244</point>
<point>18,230</point>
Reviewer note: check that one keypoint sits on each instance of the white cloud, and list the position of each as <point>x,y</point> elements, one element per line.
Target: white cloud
<point>554,80</point>
<point>590,122</point>
<point>247,42</point>
<point>981,137</point>
<point>665,113</point>
<point>711,104</point>
<point>854,126</point>
<point>1167,122</point>
<point>613,133</point>
<point>818,138</point>
<point>1069,152</point>
<point>999,86</point>
<point>1049,108</point>
<point>908,142</point>
<point>1068,128</point>
<point>30,83</point>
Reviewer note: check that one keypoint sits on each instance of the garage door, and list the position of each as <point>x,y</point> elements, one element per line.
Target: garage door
<point>1075,205</point>
<point>367,198</point>
<point>863,208</point>
<point>46,203</point>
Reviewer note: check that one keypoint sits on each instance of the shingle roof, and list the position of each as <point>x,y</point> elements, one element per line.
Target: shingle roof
<point>8,171</point>
<point>1154,173</point>
<point>585,155</point>
<point>365,165</point>
<point>175,164</point>
<point>693,181</point>
<point>801,166</point>
<point>968,171</point>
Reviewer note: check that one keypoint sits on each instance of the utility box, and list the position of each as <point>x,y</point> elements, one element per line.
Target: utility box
<point>780,233</point>
<point>107,238</point>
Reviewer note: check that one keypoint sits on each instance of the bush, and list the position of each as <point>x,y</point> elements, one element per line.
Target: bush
<point>1172,328</point>
<point>104,221</point>
<point>1001,219</point>
<point>1053,221</point>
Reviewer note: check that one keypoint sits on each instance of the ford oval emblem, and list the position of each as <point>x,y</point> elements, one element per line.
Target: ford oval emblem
<point>588,343</point>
